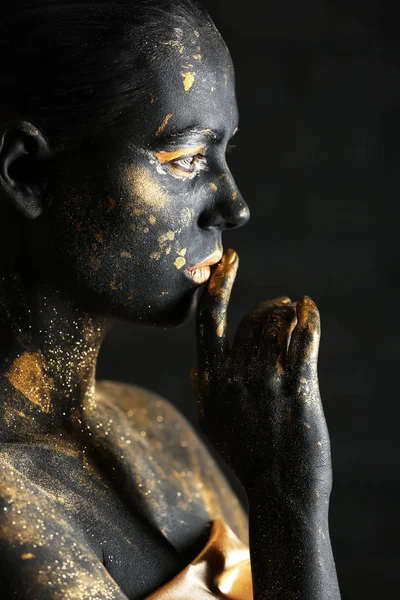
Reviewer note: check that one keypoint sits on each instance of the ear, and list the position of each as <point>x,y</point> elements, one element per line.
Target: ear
<point>24,152</point>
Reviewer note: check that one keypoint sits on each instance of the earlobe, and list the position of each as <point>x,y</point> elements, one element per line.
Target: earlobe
<point>24,150</point>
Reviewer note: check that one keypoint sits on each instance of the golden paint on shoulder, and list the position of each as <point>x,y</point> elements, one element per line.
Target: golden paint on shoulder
<point>163,125</point>
<point>28,375</point>
<point>144,188</point>
<point>188,79</point>
<point>180,263</point>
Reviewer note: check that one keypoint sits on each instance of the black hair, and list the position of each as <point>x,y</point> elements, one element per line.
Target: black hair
<point>74,68</point>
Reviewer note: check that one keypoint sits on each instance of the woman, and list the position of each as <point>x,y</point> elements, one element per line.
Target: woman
<point>115,119</point>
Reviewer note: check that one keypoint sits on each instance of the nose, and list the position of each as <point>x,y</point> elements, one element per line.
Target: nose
<point>227,208</point>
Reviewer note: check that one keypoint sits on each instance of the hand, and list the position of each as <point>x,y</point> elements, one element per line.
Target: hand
<point>259,401</point>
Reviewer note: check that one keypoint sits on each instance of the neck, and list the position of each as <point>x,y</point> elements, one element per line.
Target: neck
<point>48,351</point>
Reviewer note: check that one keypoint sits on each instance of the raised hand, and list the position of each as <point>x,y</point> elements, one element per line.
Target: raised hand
<point>259,401</point>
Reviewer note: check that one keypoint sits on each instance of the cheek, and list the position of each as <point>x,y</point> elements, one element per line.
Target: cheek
<point>161,219</point>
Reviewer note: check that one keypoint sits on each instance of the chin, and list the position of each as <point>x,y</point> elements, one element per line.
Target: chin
<point>172,314</point>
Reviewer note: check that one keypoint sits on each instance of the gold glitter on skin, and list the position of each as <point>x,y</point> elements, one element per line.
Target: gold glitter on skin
<point>28,375</point>
<point>163,125</point>
<point>144,187</point>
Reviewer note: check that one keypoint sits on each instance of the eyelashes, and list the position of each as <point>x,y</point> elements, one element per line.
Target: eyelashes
<point>185,164</point>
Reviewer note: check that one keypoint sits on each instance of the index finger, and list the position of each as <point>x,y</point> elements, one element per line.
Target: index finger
<point>212,345</point>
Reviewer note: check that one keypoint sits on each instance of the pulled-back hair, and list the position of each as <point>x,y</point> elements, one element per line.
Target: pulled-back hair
<point>74,68</point>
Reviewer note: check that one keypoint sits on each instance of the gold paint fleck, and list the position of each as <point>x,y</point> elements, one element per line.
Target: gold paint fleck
<point>188,80</point>
<point>99,238</point>
<point>155,256</point>
<point>164,293</point>
<point>234,196</point>
<point>28,556</point>
<point>197,56</point>
<point>152,220</point>
<point>79,227</point>
<point>126,255</point>
<point>180,263</point>
<point>187,216</point>
<point>168,250</point>
<point>183,252</point>
<point>214,187</point>
<point>163,125</point>
<point>27,375</point>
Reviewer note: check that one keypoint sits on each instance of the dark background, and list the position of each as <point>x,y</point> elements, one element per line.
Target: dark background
<point>318,88</point>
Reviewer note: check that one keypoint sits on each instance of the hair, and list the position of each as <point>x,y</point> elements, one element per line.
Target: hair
<point>75,68</point>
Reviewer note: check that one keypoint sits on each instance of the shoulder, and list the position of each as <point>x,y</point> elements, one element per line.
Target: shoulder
<point>176,447</point>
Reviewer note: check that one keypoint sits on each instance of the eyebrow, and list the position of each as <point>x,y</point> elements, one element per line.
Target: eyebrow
<point>192,135</point>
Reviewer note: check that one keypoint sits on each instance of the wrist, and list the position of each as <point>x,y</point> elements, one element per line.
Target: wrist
<point>264,500</point>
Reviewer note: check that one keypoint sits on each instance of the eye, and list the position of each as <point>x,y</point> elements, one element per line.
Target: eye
<point>189,163</point>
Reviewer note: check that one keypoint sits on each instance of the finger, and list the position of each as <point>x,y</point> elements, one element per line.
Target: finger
<point>302,357</point>
<point>249,333</point>
<point>212,313</point>
<point>278,326</point>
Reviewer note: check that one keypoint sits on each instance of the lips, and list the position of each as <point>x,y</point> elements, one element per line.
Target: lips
<point>201,273</point>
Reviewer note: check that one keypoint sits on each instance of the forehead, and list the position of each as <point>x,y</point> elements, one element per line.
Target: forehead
<point>191,84</point>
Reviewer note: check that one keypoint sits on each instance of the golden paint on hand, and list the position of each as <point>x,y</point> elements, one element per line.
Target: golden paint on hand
<point>166,157</point>
<point>180,263</point>
<point>163,125</point>
<point>144,188</point>
<point>28,375</point>
<point>188,79</point>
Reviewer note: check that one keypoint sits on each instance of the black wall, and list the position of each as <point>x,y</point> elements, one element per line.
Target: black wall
<point>318,87</point>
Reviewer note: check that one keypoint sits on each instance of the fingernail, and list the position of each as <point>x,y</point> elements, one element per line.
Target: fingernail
<point>231,256</point>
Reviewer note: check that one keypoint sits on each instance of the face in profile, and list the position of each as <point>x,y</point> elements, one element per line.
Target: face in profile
<point>137,218</point>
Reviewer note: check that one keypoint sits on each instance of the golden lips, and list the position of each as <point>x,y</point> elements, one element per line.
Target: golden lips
<point>201,273</point>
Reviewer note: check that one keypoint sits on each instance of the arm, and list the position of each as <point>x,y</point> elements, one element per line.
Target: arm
<point>260,405</point>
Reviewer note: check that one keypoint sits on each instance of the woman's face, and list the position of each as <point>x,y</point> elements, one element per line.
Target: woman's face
<point>137,220</point>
